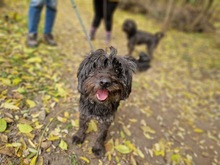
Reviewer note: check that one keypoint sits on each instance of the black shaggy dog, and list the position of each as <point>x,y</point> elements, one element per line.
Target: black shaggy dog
<point>137,37</point>
<point>142,63</point>
<point>103,81</point>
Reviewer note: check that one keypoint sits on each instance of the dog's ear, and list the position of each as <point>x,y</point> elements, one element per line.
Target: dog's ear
<point>130,68</point>
<point>82,73</point>
<point>87,66</point>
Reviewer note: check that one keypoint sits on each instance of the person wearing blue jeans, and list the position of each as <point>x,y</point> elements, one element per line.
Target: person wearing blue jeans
<point>34,14</point>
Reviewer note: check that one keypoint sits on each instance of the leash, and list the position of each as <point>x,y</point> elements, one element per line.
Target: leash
<point>81,23</point>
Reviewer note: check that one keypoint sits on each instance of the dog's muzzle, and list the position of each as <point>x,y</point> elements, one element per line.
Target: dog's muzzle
<point>105,82</point>
<point>102,94</point>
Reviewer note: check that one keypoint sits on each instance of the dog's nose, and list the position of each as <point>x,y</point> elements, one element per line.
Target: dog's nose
<point>105,82</point>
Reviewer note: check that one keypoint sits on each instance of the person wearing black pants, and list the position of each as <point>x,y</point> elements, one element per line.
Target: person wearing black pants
<point>103,9</point>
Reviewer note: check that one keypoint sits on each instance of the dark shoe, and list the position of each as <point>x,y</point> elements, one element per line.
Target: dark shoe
<point>49,39</point>
<point>32,40</point>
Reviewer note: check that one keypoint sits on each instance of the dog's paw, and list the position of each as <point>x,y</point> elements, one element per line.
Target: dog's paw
<point>77,140</point>
<point>98,151</point>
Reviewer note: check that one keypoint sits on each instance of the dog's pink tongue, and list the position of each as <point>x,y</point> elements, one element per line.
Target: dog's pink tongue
<point>102,94</point>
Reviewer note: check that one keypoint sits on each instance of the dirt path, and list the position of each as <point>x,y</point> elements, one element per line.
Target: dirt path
<point>172,115</point>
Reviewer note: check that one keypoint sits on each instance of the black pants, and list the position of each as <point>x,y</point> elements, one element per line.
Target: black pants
<point>104,9</point>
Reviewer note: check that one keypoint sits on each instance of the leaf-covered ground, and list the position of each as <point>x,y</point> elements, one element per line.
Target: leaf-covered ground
<point>171,117</point>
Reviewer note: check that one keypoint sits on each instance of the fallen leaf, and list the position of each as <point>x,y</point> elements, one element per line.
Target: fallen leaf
<point>92,126</point>
<point>123,149</point>
<point>62,119</point>
<point>85,159</point>
<point>30,103</point>
<point>126,130</point>
<point>34,160</point>
<point>24,128</point>
<point>13,144</point>
<point>140,153</point>
<point>3,125</point>
<point>9,106</point>
<point>7,151</point>
<point>63,145</point>
<point>197,130</point>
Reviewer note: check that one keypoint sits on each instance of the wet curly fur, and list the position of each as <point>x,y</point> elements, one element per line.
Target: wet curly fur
<point>103,81</point>
<point>138,37</point>
<point>142,63</point>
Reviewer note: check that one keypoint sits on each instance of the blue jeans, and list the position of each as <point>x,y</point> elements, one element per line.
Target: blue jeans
<point>35,12</point>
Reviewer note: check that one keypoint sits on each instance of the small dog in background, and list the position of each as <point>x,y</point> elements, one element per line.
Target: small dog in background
<point>138,37</point>
<point>142,63</point>
<point>103,81</point>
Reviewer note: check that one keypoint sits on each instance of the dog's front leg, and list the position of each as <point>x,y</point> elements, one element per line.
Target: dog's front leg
<point>81,133</point>
<point>150,49</point>
<point>130,47</point>
<point>99,149</point>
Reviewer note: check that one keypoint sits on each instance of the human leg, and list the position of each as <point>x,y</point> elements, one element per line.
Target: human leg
<point>98,15</point>
<point>110,9</point>
<point>34,13</point>
<point>49,21</point>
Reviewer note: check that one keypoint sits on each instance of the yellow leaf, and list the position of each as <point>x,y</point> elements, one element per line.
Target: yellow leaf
<point>5,81</point>
<point>133,162</point>
<point>9,106</point>
<point>130,145</point>
<point>176,158</point>
<point>92,127</point>
<point>21,90</point>
<point>52,138</point>
<point>61,91</point>
<point>63,145</point>
<point>133,120</point>
<point>40,161</point>
<point>25,128</point>
<point>31,143</point>
<point>75,123</point>
<point>16,81</point>
<point>34,60</point>
<point>147,135</point>
<point>34,160</point>
<point>66,114</point>
<point>158,153</point>
<point>31,103</point>
<point>148,129</point>
<point>140,153</point>
<point>61,119</point>
<point>85,159</point>
<point>13,145</point>
<point>123,149</point>
<point>126,130</point>
<point>122,134</point>
<point>3,125</point>
<point>197,130</point>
